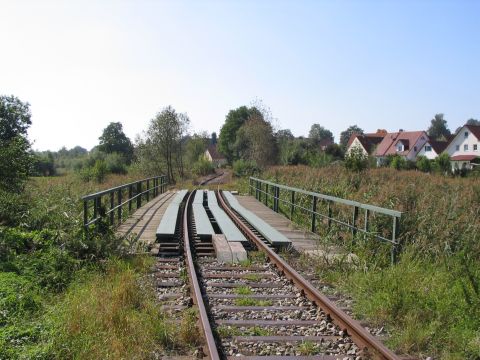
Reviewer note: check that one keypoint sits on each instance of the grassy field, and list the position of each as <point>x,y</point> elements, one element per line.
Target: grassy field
<point>429,300</point>
<point>63,297</point>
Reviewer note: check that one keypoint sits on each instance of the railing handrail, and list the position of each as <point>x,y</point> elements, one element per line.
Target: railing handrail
<point>374,208</point>
<point>116,188</point>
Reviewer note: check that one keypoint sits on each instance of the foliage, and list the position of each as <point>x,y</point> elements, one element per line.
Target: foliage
<point>345,135</point>
<point>202,167</point>
<point>356,160</point>
<point>442,163</point>
<point>438,129</point>
<point>398,162</point>
<point>244,168</point>
<point>115,163</point>
<point>44,164</point>
<point>318,133</point>
<point>228,133</point>
<point>255,141</point>
<point>195,147</point>
<point>429,301</point>
<point>423,164</point>
<point>114,140</point>
<point>14,122</point>
<point>163,144</point>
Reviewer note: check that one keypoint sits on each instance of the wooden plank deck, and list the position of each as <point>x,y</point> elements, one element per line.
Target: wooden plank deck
<point>302,241</point>
<point>142,224</point>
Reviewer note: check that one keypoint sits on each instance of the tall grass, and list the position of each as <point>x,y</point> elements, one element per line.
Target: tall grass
<point>430,299</point>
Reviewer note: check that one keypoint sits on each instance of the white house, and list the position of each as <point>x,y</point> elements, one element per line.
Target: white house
<point>365,142</point>
<point>464,148</point>
<point>403,143</point>
<point>212,155</point>
<point>432,149</point>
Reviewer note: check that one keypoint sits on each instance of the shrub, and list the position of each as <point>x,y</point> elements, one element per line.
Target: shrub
<point>423,164</point>
<point>244,168</point>
<point>202,167</point>
<point>442,163</point>
<point>116,163</point>
<point>356,160</point>
<point>398,162</point>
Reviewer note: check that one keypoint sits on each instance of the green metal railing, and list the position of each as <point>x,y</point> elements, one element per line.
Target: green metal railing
<point>312,203</point>
<point>108,204</point>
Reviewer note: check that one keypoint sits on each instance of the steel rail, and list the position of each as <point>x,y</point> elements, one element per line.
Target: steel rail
<point>195,288</point>
<point>360,336</point>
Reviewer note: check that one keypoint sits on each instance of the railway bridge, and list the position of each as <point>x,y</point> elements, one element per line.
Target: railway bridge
<point>235,259</point>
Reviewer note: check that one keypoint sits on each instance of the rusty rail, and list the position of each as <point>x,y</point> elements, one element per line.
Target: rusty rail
<point>195,287</point>
<point>360,336</point>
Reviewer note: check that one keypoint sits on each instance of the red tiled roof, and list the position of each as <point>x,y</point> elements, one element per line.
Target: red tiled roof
<point>387,146</point>
<point>463,157</point>
<point>212,149</point>
<point>475,130</point>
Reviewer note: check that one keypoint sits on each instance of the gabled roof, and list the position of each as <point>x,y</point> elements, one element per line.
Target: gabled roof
<point>475,130</point>
<point>438,146</point>
<point>212,149</point>
<point>368,141</point>
<point>387,146</point>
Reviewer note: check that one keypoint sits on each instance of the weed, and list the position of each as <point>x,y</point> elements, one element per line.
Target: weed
<point>228,331</point>
<point>252,277</point>
<point>258,256</point>
<point>243,290</point>
<point>307,348</point>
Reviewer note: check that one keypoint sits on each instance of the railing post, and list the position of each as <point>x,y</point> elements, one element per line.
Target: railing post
<point>130,194</point>
<point>139,197</point>
<point>367,213</point>
<point>395,230</point>
<point>85,217</point>
<point>96,210</point>
<point>119,205</point>
<point>148,190</point>
<point>266,195</point>
<point>354,220</point>
<point>292,204</point>
<point>314,210</point>
<point>275,199</point>
<point>112,205</point>
<point>329,213</point>
<point>250,186</point>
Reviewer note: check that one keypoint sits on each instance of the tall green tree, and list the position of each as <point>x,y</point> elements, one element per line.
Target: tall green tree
<point>318,133</point>
<point>438,129</point>
<point>16,158</point>
<point>163,145</point>
<point>114,140</point>
<point>345,135</point>
<point>228,133</point>
<point>196,147</point>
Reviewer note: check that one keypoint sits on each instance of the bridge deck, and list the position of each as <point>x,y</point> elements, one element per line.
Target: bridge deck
<point>143,223</point>
<point>302,241</point>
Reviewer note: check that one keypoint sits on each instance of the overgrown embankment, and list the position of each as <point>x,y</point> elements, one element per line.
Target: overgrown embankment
<point>62,296</point>
<point>430,300</point>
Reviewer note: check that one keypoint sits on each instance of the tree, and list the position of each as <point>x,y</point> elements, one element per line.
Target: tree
<point>114,140</point>
<point>345,135</point>
<point>213,139</point>
<point>318,133</point>
<point>228,133</point>
<point>438,129</point>
<point>255,141</point>
<point>356,160</point>
<point>442,163</point>
<point>16,158</point>
<point>164,140</point>
<point>196,147</point>
<point>284,135</point>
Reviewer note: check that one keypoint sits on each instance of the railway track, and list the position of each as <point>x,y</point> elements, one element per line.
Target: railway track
<point>260,309</point>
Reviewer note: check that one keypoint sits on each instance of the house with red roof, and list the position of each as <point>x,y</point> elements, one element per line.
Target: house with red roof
<point>403,143</point>
<point>212,155</point>
<point>432,149</point>
<point>367,143</point>
<point>464,148</point>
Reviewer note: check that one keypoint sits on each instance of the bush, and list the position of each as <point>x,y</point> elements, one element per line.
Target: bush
<point>244,168</point>
<point>442,164</point>
<point>202,167</point>
<point>424,164</point>
<point>398,162</point>
<point>356,160</point>
<point>116,164</point>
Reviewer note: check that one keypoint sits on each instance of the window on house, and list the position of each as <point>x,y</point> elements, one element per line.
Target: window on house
<point>466,134</point>
<point>457,147</point>
<point>475,147</point>
<point>428,148</point>
<point>465,147</point>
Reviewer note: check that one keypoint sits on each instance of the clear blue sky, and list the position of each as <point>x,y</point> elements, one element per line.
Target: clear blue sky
<point>378,64</point>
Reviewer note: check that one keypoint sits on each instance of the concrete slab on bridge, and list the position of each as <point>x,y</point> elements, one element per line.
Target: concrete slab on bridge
<point>142,224</point>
